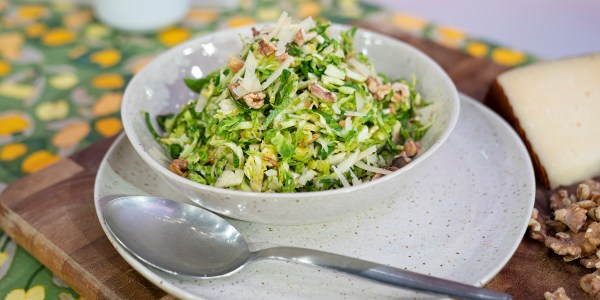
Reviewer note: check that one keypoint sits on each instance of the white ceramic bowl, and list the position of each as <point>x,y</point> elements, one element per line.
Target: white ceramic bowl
<point>159,89</point>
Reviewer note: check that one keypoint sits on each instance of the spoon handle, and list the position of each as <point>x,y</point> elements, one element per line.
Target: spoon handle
<point>381,273</point>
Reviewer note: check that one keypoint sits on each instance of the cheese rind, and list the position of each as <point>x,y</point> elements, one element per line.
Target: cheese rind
<point>556,106</point>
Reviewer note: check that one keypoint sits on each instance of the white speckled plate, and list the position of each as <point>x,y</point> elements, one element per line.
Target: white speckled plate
<point>464,218</point>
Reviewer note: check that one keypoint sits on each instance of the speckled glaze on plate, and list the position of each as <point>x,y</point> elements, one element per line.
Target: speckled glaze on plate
<point>467,213</point>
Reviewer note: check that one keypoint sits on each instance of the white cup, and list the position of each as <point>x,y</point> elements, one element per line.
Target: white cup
<point>140,15</point>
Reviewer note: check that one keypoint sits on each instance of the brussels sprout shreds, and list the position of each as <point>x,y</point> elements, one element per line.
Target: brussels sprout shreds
<point>149,125</point>
<point>295,110</point>
<point>196,85</point>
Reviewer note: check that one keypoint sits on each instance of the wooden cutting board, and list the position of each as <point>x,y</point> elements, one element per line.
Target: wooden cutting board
<point>51,213</point>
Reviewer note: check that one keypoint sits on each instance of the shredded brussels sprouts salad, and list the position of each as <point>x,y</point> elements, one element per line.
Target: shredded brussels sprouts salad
<point>296,110</point>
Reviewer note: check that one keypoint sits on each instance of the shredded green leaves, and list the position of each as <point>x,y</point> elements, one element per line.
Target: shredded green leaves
<point>296,110</point>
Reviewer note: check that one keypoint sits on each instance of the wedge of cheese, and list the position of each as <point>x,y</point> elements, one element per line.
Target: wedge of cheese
<point>555,107</point>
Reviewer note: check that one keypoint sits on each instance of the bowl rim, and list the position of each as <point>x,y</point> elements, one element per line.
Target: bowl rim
<point>129,131</point>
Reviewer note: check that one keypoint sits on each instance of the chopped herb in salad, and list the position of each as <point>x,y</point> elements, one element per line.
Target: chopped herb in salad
<point>295,110</point>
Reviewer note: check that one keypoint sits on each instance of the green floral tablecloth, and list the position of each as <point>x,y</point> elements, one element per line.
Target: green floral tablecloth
<point>62,75</point>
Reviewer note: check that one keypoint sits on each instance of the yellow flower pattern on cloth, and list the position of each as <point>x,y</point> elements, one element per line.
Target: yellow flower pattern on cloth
<point>477,49</point>
<point>11,45</point>
<point>409,23</point>
<point>12,123</point>
<point>35,293</point>
<point>57,110</point>
<point>108,81</point>
<point>36,30</point>
<point>63,81</point>
<point>450,37</point>
<point>77,19</point>
<point>173,36</point>
<point>309,9</point>
<point>508,57</point>
<point>5,68</point>
<point>107,104</point>
<point>239,21</point>
<point>16,90</point>
<point>71,134</point>
<point>32,11</point>
<point>38,160</point>
<point>106,58</point>
<point>58,37</point>
<point>12,151</point>
<point>63,75</point>
<point>201,15</point>
<point>268,13</point>
<point>97,32</point>
<point>109,126</point>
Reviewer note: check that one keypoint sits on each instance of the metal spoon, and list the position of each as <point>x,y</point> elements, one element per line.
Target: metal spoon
<point>186,240</point>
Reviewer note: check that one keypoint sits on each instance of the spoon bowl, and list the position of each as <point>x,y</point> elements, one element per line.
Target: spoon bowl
<point>186,240</point>
<point>177,238</point>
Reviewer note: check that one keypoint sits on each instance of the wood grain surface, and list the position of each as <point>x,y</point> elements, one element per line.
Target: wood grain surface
<point>51,213</point>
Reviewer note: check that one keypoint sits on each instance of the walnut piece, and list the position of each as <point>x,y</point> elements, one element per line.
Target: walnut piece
<point>556,226</point>
<point>281,58</point>
<point>322,93</point>
<point>382,92</point>
<point>587,204</point>
<point>560,200</point>
<point>590,284</point>
<point>592,234</point>
<point>594,213</point>
<point>266,48</point>
<point>179,167</point>
<point>593,184</point>
<point>564,245</point>
<point>583,192</point>
<point>401,89</point>
<point>392,109</point>
<point>595,196</point>
<point>590,262</point>
<point>411,148</point>
<point>299,38</point>
<point>270,160</point>
<point>372,84</point>
<point>401,92</point>
<point>232,88</point>
<point>401,160</point>
<point>313,138</point>
<point>537,227</point>
<point>235,64</point>
<point>573,216</point>
<point>587,248</point>
<point>559,294</point>
<point>255,100</point>
<point>379,175</point>
<point>534,224</point>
